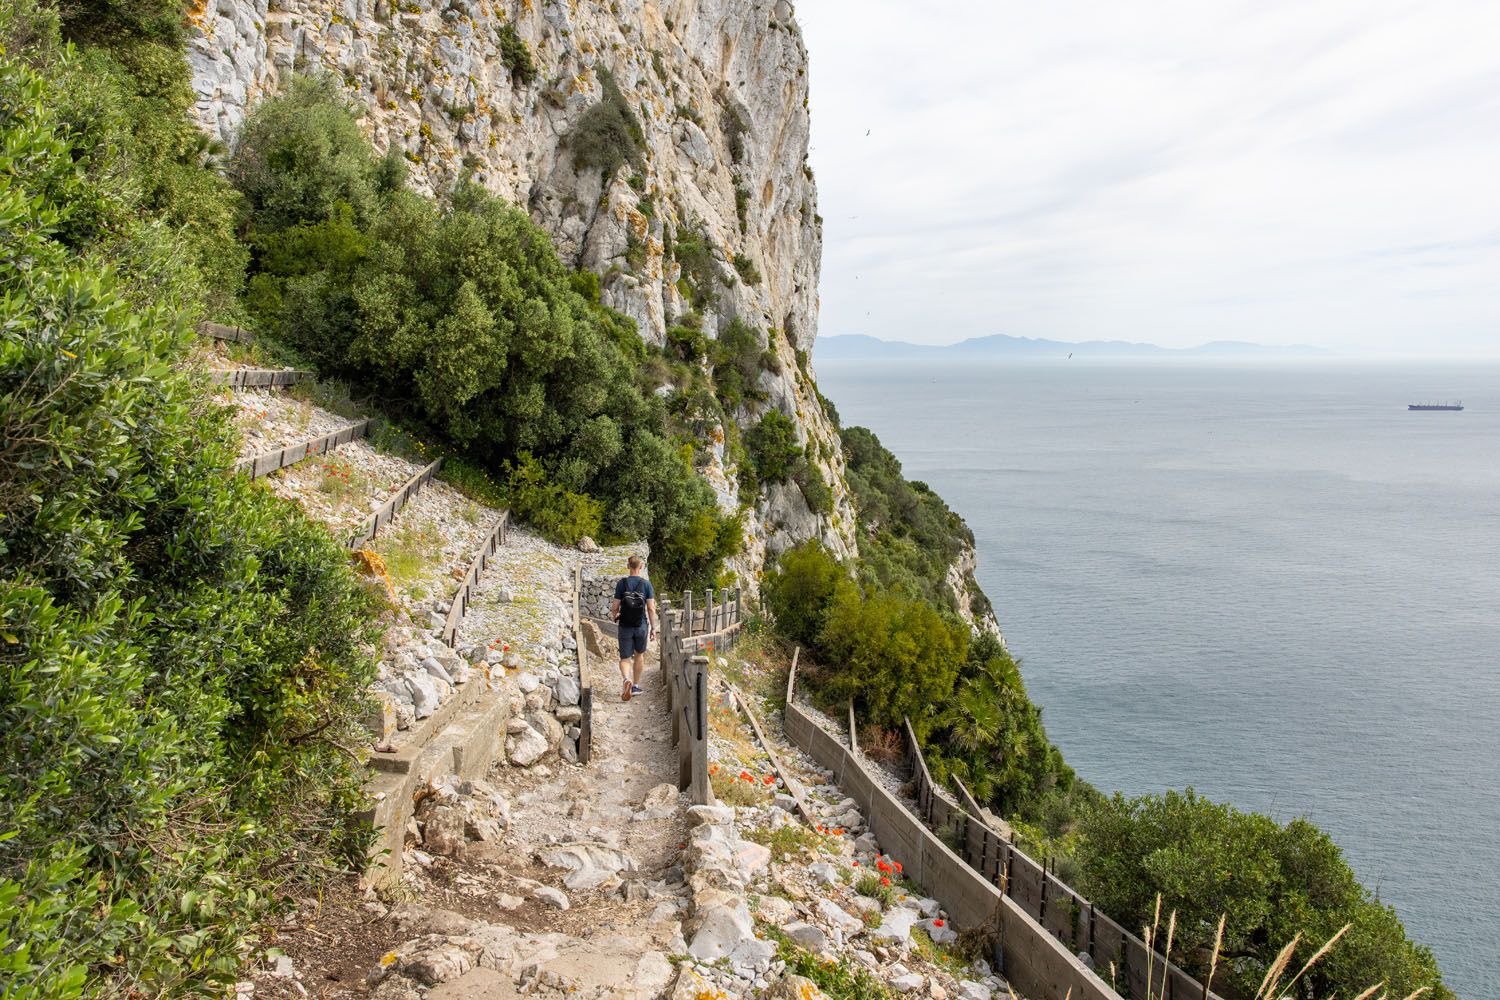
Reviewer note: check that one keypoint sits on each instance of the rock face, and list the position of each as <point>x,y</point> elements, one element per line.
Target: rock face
<point>720,90</point>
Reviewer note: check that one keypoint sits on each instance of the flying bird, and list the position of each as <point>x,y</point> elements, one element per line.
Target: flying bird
<point>867,132</point>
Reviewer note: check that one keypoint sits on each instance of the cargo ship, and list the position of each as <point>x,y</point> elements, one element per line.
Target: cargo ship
<point>1434,406</point>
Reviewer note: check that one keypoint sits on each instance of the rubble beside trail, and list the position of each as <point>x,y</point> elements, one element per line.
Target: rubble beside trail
<point>544,880</point>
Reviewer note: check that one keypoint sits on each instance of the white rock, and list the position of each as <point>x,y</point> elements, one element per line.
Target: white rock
<point>824,872</point>
<point>839,918</point>
<point>550,896</point>
<point>970,990</point>
<point>911,982</point>
<point>895,926</point>
<point>589,865</point>
<point>809,936</point>
<point>940,934</point>
<point>526,747</point>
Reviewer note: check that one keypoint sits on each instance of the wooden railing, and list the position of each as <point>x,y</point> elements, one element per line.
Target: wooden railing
<point>218,331</point>
<point>257,378</point>
<point>1118,956</point>
<point>686,641</point>
<point>268,462</point>
<point>713,615</point>
<point>460,605</point>
<point>387,511</point>
<point>585,687</point>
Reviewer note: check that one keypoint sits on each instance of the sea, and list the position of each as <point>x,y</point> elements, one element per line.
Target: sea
<point>1269,582</point>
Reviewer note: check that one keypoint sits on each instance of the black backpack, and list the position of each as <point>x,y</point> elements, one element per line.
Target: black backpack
<point>632,607</point>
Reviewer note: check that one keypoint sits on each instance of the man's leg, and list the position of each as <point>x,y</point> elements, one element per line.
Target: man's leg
<point>625,654</point>
<point>640,668</point>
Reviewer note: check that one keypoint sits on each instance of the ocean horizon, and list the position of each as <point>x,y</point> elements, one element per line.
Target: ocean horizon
<point>1266,580</point>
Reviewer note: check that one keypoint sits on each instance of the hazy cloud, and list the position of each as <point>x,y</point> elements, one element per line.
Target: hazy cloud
<point>1309,172</point>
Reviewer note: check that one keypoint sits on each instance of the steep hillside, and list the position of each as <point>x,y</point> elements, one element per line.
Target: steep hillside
<point>662,145</point>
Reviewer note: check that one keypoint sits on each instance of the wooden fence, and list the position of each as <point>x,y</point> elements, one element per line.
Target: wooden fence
<point>585,686</point>
<point>465,591</point>
<point>686,641</point>
<point>714,615</point>
<point>257,378</point>
<point>387,511</point>
<point>1037,964</point>
<point>218,331</point>
<point>1119,956</point>
<point>268,462</point>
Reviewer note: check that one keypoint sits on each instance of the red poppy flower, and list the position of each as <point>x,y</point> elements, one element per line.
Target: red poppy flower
<point>769,780</point>
<point>884,880</point>
<point>898,866</point>
<point>938,922</point>
<point>854,863</point>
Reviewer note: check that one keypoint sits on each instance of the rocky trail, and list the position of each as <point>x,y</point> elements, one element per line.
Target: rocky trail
<point>552,878</point>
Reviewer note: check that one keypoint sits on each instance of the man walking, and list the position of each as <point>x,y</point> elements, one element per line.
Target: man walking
<point>634,611</point>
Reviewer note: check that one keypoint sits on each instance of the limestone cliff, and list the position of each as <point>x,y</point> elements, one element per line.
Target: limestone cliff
<point>720,90</point>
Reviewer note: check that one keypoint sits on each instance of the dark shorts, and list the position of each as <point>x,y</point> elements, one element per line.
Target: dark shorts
<point>632,640</point>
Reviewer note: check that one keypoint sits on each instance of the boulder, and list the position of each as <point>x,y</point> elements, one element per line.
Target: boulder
<point>443,830</point>
<point>587,544</point>
<point>726,931</point>
<point>547,725</point>
<point>525,746</point>
<point>567,691</point>
<point>912,982</point>
<point>549,896</point>
<point>895,926</point>
<point>839,918</point>
<point>589,865</point>
<point>809,936</point>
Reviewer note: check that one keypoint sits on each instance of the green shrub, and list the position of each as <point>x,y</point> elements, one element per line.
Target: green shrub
<point>304,154</point>
<point>688,341</point>
<point>695,254</point>
<point>515,54</point>
<point>773,448</point>
<point>746,269</point>
<point>799,589</point>
<point>561,515</point>
<point>910,536</point>
<point>182,652</point>
<point>1270,881</point>
<point>732,120</point>
<point>608,135</point>
<point>815,489</point>
<point>736,355</point>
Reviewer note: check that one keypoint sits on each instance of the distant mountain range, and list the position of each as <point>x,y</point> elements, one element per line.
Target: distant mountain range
<point>858,347</point>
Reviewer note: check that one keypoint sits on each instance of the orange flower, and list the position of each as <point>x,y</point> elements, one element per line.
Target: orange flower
<point>938,922</point>
<point>745,776</point>
<point>769,780</point>
<point>854,863</point>
<point>884,880</point>
<point>898,866</point>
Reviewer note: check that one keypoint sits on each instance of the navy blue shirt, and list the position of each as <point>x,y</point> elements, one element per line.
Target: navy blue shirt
<point>644,587</point>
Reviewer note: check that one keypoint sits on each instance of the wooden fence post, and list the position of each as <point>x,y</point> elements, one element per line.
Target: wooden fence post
<point>698,762</point>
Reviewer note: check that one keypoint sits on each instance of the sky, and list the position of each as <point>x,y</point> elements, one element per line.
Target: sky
<point>1322,172</point>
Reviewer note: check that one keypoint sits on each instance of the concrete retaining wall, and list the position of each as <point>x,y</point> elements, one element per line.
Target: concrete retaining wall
<point>1034,961</point>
